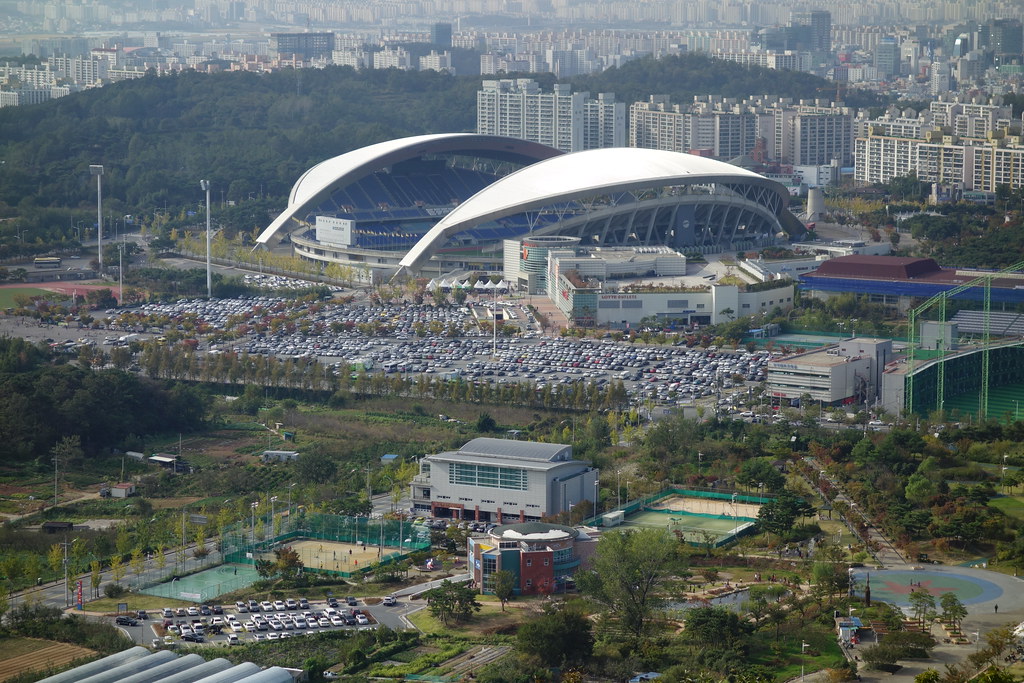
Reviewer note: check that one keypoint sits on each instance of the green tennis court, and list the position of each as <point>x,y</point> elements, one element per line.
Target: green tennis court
<point>694,528</point>
<point>206,585</point>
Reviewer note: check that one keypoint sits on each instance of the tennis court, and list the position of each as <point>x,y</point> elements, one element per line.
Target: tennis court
<point>335,556</point>
<point>694,528</point>
<point>741,507</point>
<point>206,585</point>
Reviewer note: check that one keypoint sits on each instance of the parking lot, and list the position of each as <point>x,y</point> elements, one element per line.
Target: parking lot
<point>246,621</point>
<point>450,342</point>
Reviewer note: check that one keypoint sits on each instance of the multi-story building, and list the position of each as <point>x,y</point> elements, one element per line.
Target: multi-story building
<point>562,119</point>
<point>800,134</point>
<point>542,556</point>
<point>388,58</point>
<point>437,62</point>
<point>968,146</point>
<point>887,57</point>
<point>503,480</point>
<point>306,45</point>
<point>847,373</point>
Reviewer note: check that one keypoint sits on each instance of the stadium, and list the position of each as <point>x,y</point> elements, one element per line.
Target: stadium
<point>433,204</point>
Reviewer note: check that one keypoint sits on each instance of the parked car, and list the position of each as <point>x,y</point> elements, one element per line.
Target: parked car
<point>390,601</point>
<point>351,601</point>
<point>125,621</point>
<point>234,639</point>
<point>193,638</point>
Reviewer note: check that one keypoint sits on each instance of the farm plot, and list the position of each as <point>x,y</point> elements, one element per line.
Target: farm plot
<point>18,655</point>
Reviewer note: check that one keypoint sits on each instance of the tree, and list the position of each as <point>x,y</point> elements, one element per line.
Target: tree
<point>315,468</point>
<point>919,488</point>
<point>760,471</point>
<point>560,637</point>
<point>953,611</point>
<point>503,583</point>
<point>714,627</point>
<point>266,568</point>
<point>778,515</point>
<point>452,602</point>
<point>288,561</point>
<point>117,568</point>
<point>485,423</point>
<point>922,604</point>
<point>627,574</point>
<point>95,576</point>
<point>55,558</point>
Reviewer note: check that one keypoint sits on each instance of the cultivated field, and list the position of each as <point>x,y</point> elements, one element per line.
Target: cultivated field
<point>18,655</point>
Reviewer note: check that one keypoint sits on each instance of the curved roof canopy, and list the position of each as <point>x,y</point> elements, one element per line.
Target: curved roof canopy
<point>574,176</point>
<point>318,182</point>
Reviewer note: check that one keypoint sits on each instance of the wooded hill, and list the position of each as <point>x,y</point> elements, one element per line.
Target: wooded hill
<point>254,134</point>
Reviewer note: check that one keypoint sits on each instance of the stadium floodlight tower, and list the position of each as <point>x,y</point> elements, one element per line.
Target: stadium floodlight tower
<point>205,185</point>
<point>97,170</point>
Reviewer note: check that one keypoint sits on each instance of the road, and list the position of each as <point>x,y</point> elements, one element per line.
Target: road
<point>55,595</point>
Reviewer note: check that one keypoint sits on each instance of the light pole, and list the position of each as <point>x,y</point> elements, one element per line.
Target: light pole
<point>253,505</point>
<point>205,185</point>
<point>273,499</point>
<point>97,170</point>
<point>120,275</point>
<point>803,647</point>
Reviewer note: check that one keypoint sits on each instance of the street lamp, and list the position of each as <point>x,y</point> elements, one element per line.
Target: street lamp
<point>97,170</point>
<point>253,505</point>
<point>273,499</point>
<point>120,275</point>
<point>205,185</point>
<point>803,647</point>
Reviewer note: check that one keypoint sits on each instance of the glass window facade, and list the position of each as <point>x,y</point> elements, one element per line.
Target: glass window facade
<point>488,476</point>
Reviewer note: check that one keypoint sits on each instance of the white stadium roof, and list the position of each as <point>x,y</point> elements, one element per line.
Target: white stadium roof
<point>347,168</point>
<point>577,175</point>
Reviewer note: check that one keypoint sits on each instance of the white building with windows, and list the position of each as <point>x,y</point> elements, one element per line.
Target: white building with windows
<point>502,480</point>
<point>562,119</point>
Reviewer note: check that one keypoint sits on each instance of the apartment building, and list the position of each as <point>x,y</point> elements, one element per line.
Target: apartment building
<point>568,121</point>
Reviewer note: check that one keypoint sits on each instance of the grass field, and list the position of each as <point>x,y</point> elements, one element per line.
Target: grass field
<point>7,294</point>
<point>490,619</point>
<point>1011,506</point>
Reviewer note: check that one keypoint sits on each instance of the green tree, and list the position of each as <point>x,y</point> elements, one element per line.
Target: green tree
<point>315,467</point>
<point>760,471</point>
<point>628,572</point>
<point>922,604</point>
<point>503,584</point>
<point>953,611</point>
<point>560,637</point>
<point>95,577</point>
<point>485,423</point>
<point>55,558</point>
<point>919,488</point>
<point>709,627</point>
<point>117,568</point>
<point>452,602</point>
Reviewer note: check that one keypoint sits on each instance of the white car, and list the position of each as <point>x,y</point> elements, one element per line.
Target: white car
<point>259,637</point>
<point>273,636</point>
<point>337,621</point>
<point>279,606</point>
<point>324,622</point>
<point>241,607</point>
<point>390,601</point>
<point>362,620</point>
<point>233,639</point>
<point>267,606</point>
<point>236,627</point>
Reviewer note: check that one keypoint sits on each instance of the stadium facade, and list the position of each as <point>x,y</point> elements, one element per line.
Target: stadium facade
<point>436,203</point>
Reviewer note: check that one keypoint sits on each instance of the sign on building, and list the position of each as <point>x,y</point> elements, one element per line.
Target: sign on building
<point>330,230</point>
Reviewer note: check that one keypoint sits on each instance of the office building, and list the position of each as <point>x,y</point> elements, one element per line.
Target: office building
<point>441,34</point>
<point>847,373</point>
<point>502,480</point>
<point>542,556</point>
<point>887,58</point>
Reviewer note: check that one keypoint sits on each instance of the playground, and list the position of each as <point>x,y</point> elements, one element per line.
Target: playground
<point>975,588</point>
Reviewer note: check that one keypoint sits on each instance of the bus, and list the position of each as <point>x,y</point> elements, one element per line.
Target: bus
<point>47,262</point>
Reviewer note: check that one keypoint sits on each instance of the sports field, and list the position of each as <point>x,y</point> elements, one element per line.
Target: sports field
<point>207,584</point>
<point>335,556</point>
<point>698,517</point>
<point>707,506</point>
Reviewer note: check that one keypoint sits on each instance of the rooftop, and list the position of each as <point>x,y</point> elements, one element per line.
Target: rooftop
<point>517,450</point>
